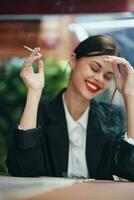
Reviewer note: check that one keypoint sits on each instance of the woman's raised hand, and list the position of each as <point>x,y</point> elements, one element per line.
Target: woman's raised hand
<point>33,81</point>
<point>124,76</point>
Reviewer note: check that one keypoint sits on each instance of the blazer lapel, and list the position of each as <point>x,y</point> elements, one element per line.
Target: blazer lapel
<point>58,137</point>
<point>95,140</point>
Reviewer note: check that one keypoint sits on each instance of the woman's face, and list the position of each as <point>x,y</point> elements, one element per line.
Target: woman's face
<point>91,76</point>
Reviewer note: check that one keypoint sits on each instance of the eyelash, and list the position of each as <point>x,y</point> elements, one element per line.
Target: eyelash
<point>95,70</point>
<point>109,79</point>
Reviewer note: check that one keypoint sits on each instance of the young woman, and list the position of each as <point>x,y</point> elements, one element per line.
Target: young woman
<point>66,137</point>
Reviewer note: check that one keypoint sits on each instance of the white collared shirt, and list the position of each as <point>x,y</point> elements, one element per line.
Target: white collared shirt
<point>77,165</point>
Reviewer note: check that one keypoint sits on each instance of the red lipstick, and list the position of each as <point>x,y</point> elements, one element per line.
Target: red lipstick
<point>92,87</point>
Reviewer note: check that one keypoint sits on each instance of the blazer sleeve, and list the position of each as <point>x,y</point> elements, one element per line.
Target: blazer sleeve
<point>26,152</point>
<point>123,160</point>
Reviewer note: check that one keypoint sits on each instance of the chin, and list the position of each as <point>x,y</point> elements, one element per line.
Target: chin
<point>88,96</point>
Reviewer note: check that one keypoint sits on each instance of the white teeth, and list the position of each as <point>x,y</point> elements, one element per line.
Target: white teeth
<point>92,86</point>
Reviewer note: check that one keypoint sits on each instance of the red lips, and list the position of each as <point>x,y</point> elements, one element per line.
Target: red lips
<point>92,87</point>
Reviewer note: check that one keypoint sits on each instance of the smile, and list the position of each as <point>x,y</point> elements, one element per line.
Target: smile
<point>92,87</point>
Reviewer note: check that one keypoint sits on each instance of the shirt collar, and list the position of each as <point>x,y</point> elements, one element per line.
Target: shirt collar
<point>82,121</point>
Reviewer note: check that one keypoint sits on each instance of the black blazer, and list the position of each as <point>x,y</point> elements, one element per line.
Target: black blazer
<point>44,151</point>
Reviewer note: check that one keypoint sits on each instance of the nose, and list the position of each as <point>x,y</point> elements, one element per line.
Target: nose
<point>99,77</point>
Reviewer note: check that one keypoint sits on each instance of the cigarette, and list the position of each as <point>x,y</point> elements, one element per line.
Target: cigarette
<point>28,48</point>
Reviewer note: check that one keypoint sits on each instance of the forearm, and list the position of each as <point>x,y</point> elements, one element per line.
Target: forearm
<point>129,104</point>
<point>29,116</point>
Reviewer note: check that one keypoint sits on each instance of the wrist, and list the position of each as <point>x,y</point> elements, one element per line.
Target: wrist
<point>35,92</point>
<point>36,95</point>
<point>129,104</point>
<point>128,97</point>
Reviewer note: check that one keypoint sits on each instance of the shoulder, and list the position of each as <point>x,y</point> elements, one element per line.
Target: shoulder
<point>112,110</point>
<point>107,109</point>
<point>54,104</point>
<point>52,109</point>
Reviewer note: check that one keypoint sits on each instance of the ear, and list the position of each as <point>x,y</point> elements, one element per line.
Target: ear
<point>72,60</point>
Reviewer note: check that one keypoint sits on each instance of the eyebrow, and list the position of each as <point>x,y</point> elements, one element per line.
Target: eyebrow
<point>100,66</point>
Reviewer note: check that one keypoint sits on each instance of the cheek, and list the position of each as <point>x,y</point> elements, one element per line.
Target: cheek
<point>107,84</point>
<point>85,71</point>
<point>82,71</point>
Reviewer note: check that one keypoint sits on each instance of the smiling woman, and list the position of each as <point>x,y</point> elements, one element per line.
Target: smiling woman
<point>66,136</point>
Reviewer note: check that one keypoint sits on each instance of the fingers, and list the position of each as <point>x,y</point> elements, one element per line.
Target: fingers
<point>28,63</point>
<point>34,56</point>
<point>119,63</point>
<point>115,70</point>
<point>36,51</point>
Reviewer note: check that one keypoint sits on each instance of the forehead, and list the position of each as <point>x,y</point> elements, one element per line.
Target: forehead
<point>99,60</point>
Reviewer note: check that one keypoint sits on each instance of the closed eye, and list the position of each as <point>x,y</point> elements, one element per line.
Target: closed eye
<point>108,76</point>
<point>94,67</point>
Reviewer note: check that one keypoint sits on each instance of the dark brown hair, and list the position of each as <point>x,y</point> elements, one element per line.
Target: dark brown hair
<point>97,45</point>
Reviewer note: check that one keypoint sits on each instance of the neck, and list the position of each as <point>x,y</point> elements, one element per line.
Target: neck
<point>75,103</point>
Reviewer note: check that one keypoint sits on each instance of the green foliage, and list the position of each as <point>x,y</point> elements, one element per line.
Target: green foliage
<point>13,94</point>
<point>56,77</point>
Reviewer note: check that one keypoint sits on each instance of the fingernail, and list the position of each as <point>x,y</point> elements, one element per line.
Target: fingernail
<point>40,64</point>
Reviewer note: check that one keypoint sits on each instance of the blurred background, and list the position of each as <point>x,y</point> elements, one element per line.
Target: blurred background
<point>56,26</point>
